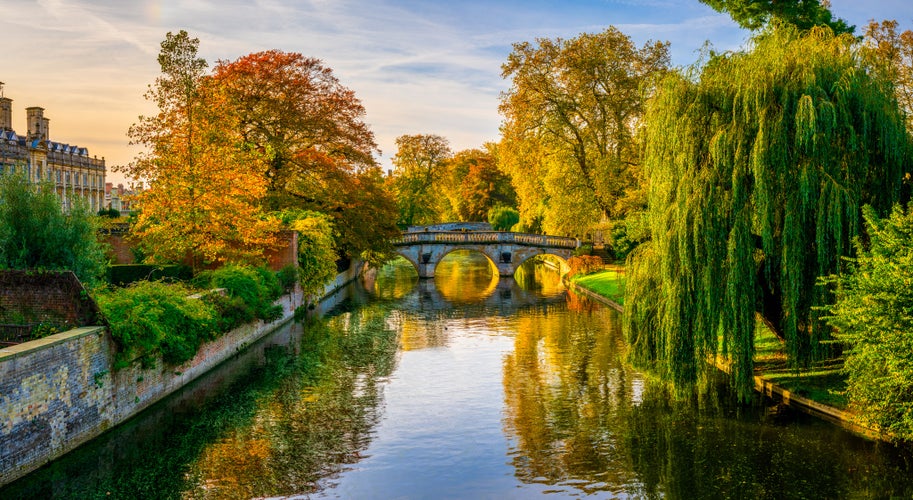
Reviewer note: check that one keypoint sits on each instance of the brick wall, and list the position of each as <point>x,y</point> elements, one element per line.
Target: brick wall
<point>287,252</point>
<point>36,296</point>
<point>120,251</point>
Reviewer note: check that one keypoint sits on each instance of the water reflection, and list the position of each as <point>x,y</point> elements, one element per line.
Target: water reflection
<point>582,421</point>
<point>563,386</point>
<point>465,277</point>
<point>292,409</point>
<point>408,390</point>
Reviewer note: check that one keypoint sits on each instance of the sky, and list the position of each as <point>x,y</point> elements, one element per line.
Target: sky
<point>418,67</point>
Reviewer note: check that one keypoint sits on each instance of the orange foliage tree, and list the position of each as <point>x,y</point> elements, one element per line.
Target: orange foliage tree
<point>202,200</point>
<point>477,185</point>
<point>318,152</point>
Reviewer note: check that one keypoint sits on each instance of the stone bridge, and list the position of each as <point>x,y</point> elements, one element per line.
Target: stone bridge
<point>507,251</point>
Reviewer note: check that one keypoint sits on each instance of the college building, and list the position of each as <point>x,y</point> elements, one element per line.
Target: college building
<point>69,168</point>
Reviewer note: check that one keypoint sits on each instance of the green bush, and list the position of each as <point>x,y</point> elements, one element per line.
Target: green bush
<point>150,317</point>
<point>873,315</point>
<point>35,233</point>
<point>111,213</point>
<point>503,218</point>
<point>256,287</point>
<point>288,276</point>
<point>231,312</point>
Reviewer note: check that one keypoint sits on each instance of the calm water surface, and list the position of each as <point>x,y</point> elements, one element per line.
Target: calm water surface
<point>465,386</point>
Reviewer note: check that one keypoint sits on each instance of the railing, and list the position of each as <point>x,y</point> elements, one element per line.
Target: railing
<point>472,237</point>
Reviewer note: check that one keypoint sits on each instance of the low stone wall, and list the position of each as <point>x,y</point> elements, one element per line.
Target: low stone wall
<point>61,391</point>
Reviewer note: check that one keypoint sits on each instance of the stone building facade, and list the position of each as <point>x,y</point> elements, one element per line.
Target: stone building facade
<point>69,168</point>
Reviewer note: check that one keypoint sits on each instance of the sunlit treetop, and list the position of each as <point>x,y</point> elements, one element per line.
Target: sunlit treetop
<point>804,14</point>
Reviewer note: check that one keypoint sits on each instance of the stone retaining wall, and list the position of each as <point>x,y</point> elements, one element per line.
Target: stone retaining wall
<point>61,391</point>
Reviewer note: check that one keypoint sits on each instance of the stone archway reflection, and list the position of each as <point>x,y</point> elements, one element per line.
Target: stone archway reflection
<point>462,277</point>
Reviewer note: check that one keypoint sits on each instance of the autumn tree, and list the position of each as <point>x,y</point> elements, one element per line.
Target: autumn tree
<point>420,163</point>
<point>317,148</point>
<point>804,14</point>
<point>473,185</point>
<point>362,211</point>
<point>202,200</point>
<point>294,110</point>
<point>571,118</point>
<point>757,171</point>
<point>892,52</point>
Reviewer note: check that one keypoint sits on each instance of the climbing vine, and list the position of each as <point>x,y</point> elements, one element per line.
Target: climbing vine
<point>757,171</point>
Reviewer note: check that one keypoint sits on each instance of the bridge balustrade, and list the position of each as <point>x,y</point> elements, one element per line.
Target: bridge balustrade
<point>485,237</point>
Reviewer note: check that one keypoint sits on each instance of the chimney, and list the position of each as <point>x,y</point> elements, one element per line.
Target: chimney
<point>37,124</point>
<point>6,113</point>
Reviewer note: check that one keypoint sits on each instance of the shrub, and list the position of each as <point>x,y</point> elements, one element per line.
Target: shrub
<point>584,264</point>
<point>111,213</point>
<point>150,317</point>
<point>503,218</point>
<point>873,315</point>
<point>256,287</point>
<point>124,274</point>
<point>316,252</point>
<point>231,312</point>
<point>288,276</point>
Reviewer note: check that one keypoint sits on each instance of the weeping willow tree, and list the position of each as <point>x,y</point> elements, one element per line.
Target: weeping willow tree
<point>757,171</point>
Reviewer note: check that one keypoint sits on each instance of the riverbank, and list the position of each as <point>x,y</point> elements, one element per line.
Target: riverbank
<point>817,391</point>
<point>61,391</point>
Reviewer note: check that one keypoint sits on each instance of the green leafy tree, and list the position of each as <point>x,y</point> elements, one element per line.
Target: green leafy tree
<point>503,218</point>
<point>420,165</point>
<point>757,171</point>
<point>571,121</point>
<point>873,316</point>
<point>316,249</point>
<point>35,232</point>
<point>804,14</point>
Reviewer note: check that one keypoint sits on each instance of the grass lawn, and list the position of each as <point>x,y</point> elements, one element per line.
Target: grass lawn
<point>823,381</point>
<point>610,283</point>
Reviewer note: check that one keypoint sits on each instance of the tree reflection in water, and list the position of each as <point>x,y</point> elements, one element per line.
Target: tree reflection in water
<point>580,419</point>
<point>300,413</point>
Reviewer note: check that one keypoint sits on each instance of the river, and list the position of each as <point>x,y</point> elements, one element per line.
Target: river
<point>464,386</point>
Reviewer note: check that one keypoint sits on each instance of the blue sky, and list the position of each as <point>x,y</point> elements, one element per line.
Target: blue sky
<point>417,66</point>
